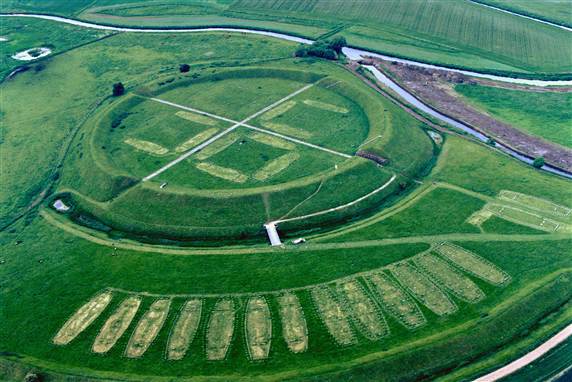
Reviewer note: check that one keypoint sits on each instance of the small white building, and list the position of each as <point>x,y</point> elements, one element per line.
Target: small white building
<point>60,206</point>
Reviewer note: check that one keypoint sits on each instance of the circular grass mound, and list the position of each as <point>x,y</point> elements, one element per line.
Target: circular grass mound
<point>213,158</point>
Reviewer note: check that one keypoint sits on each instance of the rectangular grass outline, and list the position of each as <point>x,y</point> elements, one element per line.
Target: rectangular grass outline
<point>294,327</point>
<point>449,278</point>
<point>473,264</point>
<point>184,330</point>
<point>220,330</point>
<point>362,309</point>
<point>423,289</point>
<point>147,329</point>
<point>333,315</point>
<point>258,327</point>
<point>116,325</point>
<point>395,300</point>
<point>82,318</point>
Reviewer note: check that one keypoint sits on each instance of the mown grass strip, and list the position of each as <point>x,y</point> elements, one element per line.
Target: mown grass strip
<point>258,327</point>
<point>294,328</point>
<point>146,146</point>
<point>362,309</point>
<point>225,173</point>
<point>423,289</point>
<point>147,329</point>
<point>220,330</point>
<point>185,329</point>
<point>333,315</point>
<point>473,264</point>
<point>326,106</point>
<point>449,278</point>
<point>116,325</point>
<point>395,300</point>
<point>288,130</point>
<point>196,140</point>
<point>82,318</point>
<point>276,166</point>
<point>217,147</point>
<point>279,110</point>
<point>272,141</point>
<point>197,118</point>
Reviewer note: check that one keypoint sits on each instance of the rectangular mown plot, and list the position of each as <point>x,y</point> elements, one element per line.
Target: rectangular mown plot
<point>518,216</point>
<point>397,302</point>
<point>535,203</point>
<point>449,278</point>
<point>220,330</point>
<point>146,146</point>
<point>276,166</point>
<point>148,328</point>
<point>363,310</point>
<point>333,316</point>
<point>258,328</point>
<point>197,118</point>
<point>217,146</point>
<point>184,330</point>
<point>294,328</point>
<point>116,325</point>
<point>423,289</point>
<point>82,318</point>
<point>196,140</point>
<point>473,264</point>
<point>278,110</point>
<point>326,106</point>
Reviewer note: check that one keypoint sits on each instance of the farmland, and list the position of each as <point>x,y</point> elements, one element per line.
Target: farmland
<point>546,115</point>
<point>136,224</point>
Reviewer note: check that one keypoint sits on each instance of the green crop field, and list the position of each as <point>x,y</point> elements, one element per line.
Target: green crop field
<point>544,114</point>
<point>136,224</point>
<point>556,11</point>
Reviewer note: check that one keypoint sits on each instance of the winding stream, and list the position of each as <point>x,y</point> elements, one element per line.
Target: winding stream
<point>353,54</point>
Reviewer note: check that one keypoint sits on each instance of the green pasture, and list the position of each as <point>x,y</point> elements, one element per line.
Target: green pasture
<point>64,136</point>
<point>401,28</point>
<point>556,11</point>
<point>543,114</point>
<point>26,33</point>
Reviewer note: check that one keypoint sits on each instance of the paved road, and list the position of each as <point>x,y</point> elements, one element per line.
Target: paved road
<point>529,357</point>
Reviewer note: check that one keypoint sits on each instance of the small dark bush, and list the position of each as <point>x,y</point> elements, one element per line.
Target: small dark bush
<point>118,89</point>
<point>184,68</point>
<point>538,162</point>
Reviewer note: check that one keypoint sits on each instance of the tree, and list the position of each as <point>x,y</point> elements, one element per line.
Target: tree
<point>538,162</point>
<point>118,89</point>
<point>337,43</point>
<point>184,68</point>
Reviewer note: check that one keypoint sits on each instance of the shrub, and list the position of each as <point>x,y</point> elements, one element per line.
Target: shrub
<point>337,43</point>
<point>184,68</point>
<point>118,89</point>
<point>538,162</point>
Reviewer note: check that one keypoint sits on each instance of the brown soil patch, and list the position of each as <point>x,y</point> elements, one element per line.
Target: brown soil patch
<point>435,88</point>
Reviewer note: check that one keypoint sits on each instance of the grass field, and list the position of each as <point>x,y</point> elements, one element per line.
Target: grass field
<point>556,11</point>
<point>395,27</point>
<point>544,114</point>
<point>399,287</point>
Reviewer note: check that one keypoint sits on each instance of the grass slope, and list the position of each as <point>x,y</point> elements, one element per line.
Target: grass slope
<point>543,114</point>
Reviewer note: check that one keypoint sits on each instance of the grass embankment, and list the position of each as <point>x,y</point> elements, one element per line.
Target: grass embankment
<point>543,114</point>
